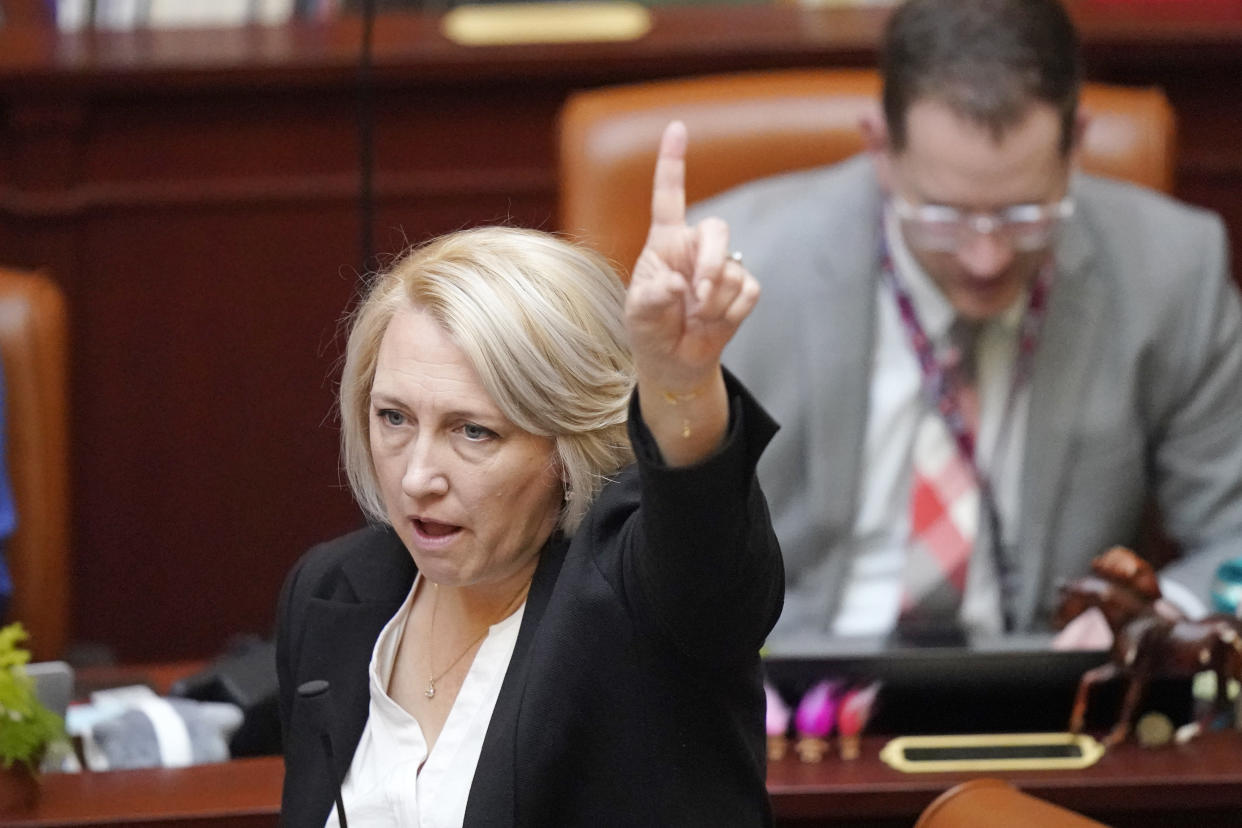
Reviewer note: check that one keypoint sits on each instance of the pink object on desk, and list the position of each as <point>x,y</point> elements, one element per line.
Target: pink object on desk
<point>814,719</point>
<point>855,710</point>
<point>777,722</point>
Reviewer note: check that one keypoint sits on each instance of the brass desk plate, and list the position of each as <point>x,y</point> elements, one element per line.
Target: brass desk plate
<point>980,753</point>
<point>506,24</point>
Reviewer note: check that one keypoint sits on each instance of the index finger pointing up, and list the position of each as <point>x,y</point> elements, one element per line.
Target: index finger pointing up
<point>668,194</point>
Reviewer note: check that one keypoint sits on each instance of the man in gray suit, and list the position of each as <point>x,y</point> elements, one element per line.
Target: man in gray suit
<point>1108,347</point>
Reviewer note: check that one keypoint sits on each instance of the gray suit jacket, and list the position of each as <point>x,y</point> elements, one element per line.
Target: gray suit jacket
<point>1136,389</point>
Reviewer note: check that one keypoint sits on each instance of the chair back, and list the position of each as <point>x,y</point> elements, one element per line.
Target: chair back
<point>34,346</point>
<point>984,803</point>
<point>749,125</point>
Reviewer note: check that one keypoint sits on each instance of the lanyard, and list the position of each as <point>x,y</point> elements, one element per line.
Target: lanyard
<point>941,390</point>
<point>939,385</point>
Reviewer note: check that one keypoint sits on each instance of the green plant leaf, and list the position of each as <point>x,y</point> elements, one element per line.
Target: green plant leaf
<point>26,726</point>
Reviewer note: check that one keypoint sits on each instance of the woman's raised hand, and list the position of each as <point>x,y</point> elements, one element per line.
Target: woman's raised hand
<point>687,296</point>
<point>686,299</point>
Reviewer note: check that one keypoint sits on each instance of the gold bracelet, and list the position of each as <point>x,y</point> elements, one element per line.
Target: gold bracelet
<point>678,399</point>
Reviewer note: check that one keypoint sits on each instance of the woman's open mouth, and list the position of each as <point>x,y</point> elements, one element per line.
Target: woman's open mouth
<point>433,532</point>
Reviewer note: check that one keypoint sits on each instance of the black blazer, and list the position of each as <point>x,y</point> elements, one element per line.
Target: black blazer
<point>634,694</point>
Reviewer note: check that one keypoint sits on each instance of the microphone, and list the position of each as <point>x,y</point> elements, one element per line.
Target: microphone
<point>316,696</point>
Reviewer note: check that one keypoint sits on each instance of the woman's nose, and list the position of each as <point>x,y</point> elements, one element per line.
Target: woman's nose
<point>425,474</point>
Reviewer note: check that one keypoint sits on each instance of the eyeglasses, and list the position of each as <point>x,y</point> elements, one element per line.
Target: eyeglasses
<point>945,229</point>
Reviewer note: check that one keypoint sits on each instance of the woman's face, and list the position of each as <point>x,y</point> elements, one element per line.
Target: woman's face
<point>472,496</point>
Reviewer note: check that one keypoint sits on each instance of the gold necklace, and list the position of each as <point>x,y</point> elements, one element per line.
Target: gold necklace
<point>430,692</point>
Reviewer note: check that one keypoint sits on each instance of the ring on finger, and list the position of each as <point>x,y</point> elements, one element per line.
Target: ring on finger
<point>736,256</point>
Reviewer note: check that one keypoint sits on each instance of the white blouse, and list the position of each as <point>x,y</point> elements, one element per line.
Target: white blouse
<point>384,786</point>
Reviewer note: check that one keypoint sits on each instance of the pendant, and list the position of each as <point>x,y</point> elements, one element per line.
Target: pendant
<point>430,692</point>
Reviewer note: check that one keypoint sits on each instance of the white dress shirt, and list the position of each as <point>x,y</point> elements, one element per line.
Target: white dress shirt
<point>385,786</point>
<point>871,598</point>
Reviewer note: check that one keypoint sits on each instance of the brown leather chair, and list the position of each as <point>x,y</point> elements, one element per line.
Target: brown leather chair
<point>750,125</point>
<point>33,342</point>
<point>993,803</point>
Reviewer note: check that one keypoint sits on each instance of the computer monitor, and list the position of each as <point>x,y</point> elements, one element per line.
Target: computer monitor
<point>1015,683</point>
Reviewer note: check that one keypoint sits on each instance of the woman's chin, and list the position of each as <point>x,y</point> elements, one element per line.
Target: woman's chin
<point>439,571</point>
<point>438,562</point>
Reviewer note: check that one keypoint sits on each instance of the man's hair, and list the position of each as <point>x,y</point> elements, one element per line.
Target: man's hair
<point>541,322</point>
<point>987,60</point>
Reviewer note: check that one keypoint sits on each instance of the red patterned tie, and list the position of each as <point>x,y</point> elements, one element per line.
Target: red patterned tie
<point>944,505</point>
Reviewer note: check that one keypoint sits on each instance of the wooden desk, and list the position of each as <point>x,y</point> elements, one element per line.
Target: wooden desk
<point>195,193</point>
<point>1130,787</point>
<point>244,793</point>
<point>1198,784</point>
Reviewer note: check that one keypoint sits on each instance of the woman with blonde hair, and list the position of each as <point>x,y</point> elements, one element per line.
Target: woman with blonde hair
<point>555,616</point>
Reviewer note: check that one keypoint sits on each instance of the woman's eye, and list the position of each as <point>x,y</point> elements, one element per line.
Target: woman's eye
<point>473,431</point>
<point>391,417</point>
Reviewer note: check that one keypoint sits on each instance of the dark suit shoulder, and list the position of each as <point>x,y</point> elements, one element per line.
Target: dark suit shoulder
<point>332,552</point>
<point>368,564</point>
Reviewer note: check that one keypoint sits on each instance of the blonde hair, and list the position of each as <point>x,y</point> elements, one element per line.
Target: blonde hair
<point>541,322</point>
